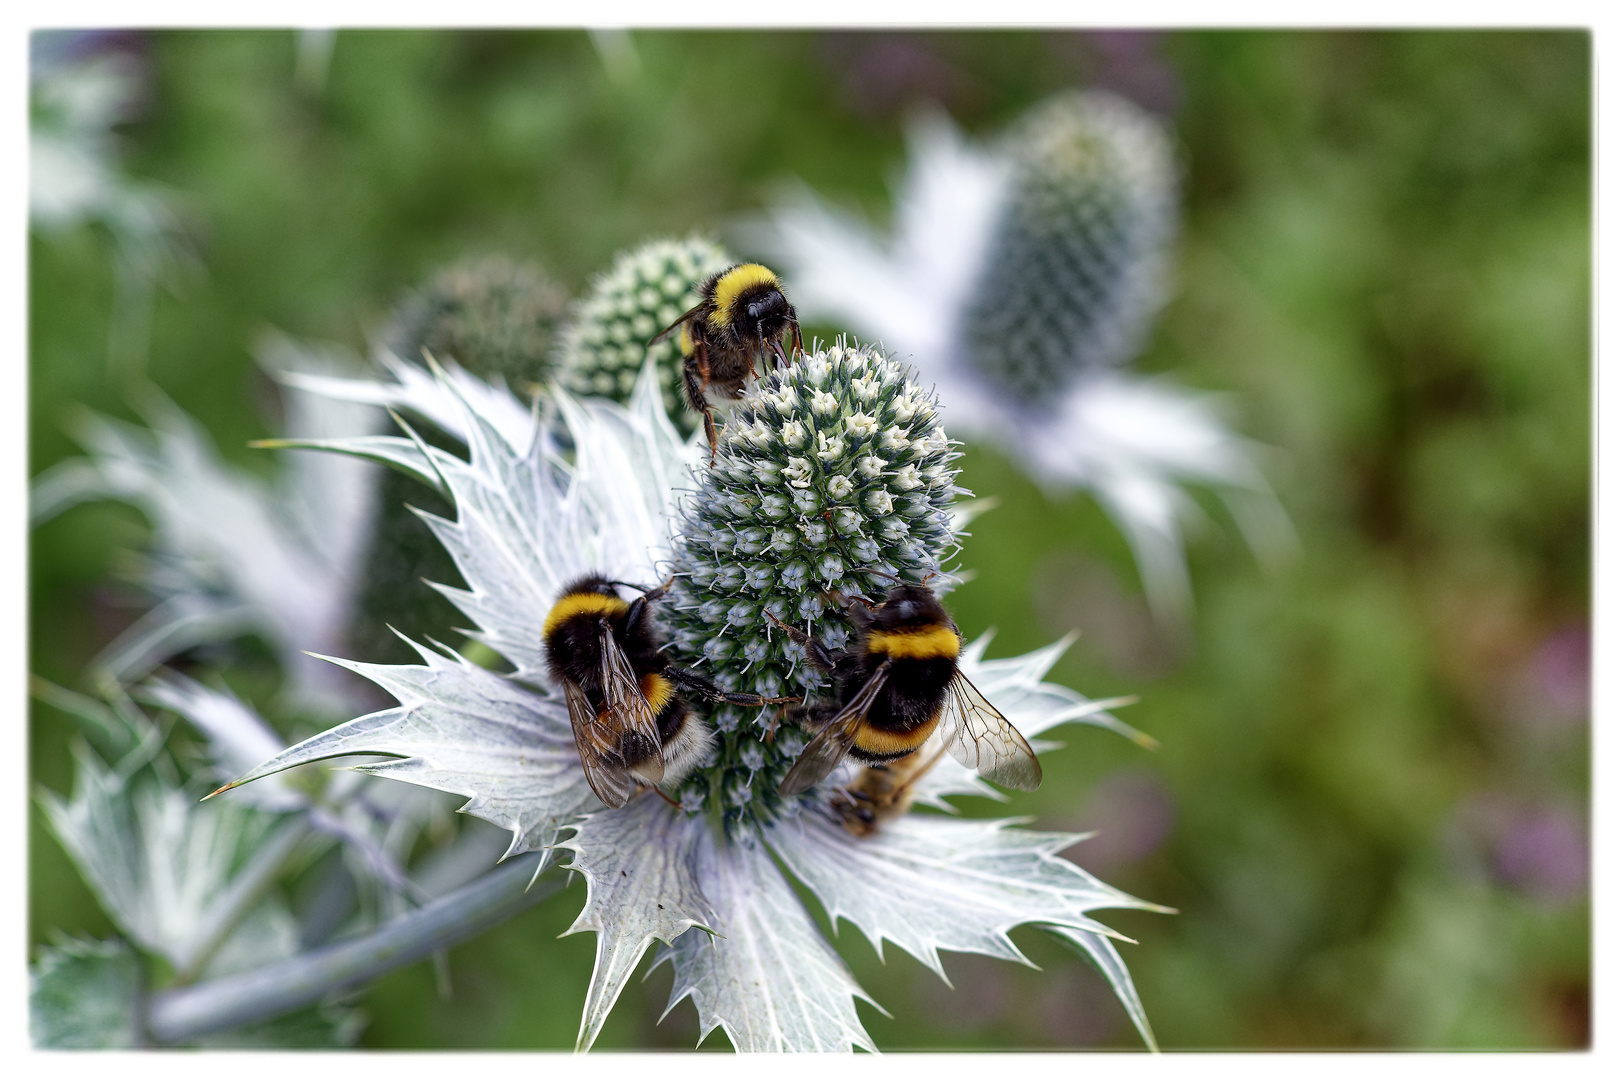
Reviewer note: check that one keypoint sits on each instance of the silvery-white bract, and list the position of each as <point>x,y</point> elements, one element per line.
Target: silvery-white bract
<point>529,517</point>
<point>79,92</point>
<point>1018,278</point>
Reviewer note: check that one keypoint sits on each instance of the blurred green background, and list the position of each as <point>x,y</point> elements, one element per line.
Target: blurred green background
<point>1370,804</point>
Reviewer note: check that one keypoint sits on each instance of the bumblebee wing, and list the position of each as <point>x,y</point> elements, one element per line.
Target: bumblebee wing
<point>978,736</point>
<point>832,742</point>
<point>676,325</point>
<point>598,749</point>
<point>629,714</point>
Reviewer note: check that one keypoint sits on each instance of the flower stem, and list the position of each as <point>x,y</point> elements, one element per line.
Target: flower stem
<point>245,892</point>
<point>182,1013</point>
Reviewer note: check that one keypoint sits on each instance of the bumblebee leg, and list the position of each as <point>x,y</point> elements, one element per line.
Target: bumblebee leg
<point>700,354</point>
<point>710,433</point>
<point>798,341</point>
<point>701,687</point>
<point>639,606</point>
<point>694,377</point>
<point>858,608</point>
<point>814,650</point>
<point>776,722</point>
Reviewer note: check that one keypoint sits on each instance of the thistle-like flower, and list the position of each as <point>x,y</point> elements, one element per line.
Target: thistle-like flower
<point>493,315</point>
<point>833,477</point>
<point>233,554</point>
<point>829,469</point>
<point>603,345</point>
<point>1019,279</point>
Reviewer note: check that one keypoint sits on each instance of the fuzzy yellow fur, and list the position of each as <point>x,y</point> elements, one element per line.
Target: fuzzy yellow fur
<point>585,603</point>
<point>890,743</point>
<point>922,643</point>
<point>732,284</point>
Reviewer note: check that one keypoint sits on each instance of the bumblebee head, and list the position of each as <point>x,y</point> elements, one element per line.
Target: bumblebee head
<point>910,605</point>
<point>592,584</point>
<point>748,300</point>
<point>766,313</point>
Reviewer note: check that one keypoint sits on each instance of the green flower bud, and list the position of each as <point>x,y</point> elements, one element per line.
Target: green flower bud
<point>797,505</point>
<point>603,345</point>
<point>492,315</point>
<point>495,317</point>
<point>1077,259</point>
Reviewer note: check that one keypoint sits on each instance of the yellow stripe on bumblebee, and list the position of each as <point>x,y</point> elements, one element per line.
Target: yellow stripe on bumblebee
<point>585,603</point>
<point>921,643</point>
<point>891,744</point>
<point>657,690</point>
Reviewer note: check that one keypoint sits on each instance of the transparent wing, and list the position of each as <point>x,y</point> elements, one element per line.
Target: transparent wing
<point>598,749</point>
<point>674,326</point>
<point>981,738</point>
<point>832,742</point>
<point>629,714</point>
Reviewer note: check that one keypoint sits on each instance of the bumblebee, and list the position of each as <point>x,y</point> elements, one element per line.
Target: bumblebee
<point>631,723</point>
<point>742,315</point>
<point>898,685</point>
<point>882,792</point>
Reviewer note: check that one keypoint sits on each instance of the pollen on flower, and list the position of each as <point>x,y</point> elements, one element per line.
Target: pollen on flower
<point>819,471</point>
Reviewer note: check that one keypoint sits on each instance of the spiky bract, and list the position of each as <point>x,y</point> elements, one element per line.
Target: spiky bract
<point>830,468</point>
<point>498,318</point>
<point>1076,263</point>
<point>604,342</point>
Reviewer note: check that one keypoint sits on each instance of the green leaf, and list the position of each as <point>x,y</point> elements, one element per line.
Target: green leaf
<point>83,995</point>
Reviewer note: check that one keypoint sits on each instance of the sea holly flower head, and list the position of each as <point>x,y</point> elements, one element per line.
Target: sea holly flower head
<point>833,477</point>
<point>604,341</point>
<point>492,314</point>
<point>1077,257</point>
<point>840,463</point>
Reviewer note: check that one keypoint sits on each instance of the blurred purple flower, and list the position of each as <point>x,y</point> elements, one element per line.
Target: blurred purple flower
<point>881,74</point>
<point>1074,1009</point>
<point>1534,847</point>
<point>1548,696</point>
<point>1129,63</point>
<point>1132,813</point>
<point>1543,853</point>
<point>976,998</point>
<point>1562,669</point>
